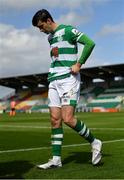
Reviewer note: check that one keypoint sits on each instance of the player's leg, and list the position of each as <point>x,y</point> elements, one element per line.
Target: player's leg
<point>56,139</point>
<point>56,131</point>
<point>69,99</point>
<point>81,128</point>
<point>10,113</point>
<point>13,112</point>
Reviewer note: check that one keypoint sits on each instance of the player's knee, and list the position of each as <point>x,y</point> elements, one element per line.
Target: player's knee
<point>68,120</point>
<point>55,121</point>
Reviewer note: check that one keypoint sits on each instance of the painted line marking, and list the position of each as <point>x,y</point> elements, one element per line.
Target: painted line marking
<point>19,126</point>
<point>48,127</point>
<point>64,146</point>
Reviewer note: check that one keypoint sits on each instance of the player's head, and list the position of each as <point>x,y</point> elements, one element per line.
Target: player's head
<point>43,20</point>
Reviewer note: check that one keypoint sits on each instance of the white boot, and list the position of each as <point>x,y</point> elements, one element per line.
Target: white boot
<point>96,151</point>
<point>51,164</point>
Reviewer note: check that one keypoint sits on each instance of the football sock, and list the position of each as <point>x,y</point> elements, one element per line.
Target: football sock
<point>83,131</point>
<point>56,141</point>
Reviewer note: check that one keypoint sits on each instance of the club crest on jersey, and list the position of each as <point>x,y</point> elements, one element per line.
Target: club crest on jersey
<point>60,38</point>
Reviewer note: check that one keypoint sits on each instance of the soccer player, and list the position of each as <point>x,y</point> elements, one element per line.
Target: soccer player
<point>64,83</point>
<point>12,106</point>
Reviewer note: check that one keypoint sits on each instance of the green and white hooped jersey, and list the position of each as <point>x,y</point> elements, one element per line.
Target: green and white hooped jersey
<point>63,51</point>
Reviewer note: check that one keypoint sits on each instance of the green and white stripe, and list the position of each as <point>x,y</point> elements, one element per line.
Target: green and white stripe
<point>56,141</point>
<point>67,51</point>
<point>62,44</point>
<point>65,57</point>
<point>83,131</point>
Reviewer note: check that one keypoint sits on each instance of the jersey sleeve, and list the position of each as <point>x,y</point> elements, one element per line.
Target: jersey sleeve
<point>79,37</point>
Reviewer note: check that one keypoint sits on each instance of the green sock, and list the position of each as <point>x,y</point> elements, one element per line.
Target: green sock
<point>83,131</point>
<point>56,141</point>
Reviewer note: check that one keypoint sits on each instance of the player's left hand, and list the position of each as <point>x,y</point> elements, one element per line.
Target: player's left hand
<point>76,68</point>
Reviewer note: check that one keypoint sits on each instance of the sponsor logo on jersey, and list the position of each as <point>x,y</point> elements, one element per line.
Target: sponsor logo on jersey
<point>55,52</point>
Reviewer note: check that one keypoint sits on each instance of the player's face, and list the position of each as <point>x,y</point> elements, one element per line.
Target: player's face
<point>44,26</point>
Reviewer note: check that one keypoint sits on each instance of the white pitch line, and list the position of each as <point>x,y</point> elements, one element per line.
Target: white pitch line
<point>48,127</point>
<point>110,129</point>
<point>64,146</point>
<point>32,127</point>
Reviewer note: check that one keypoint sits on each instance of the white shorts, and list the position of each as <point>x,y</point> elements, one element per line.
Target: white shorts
<point>64,91</point>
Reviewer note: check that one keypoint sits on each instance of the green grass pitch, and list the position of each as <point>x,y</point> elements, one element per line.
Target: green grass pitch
<point>25,142</point>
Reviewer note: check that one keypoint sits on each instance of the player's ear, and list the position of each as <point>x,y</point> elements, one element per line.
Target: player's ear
<point>49,21</point>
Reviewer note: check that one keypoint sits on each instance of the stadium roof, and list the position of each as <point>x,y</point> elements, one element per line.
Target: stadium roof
<point>107,72</point>
<point>104,72</point>
<point>30,81</point>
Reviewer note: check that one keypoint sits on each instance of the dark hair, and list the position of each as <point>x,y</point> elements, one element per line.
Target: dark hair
<point>42,15</point>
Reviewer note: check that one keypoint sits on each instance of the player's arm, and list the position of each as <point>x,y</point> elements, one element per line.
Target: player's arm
<point>88,46</point>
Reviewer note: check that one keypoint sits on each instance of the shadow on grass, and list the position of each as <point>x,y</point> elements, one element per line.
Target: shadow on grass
<point>81,158</point>
<point>14,169</point>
